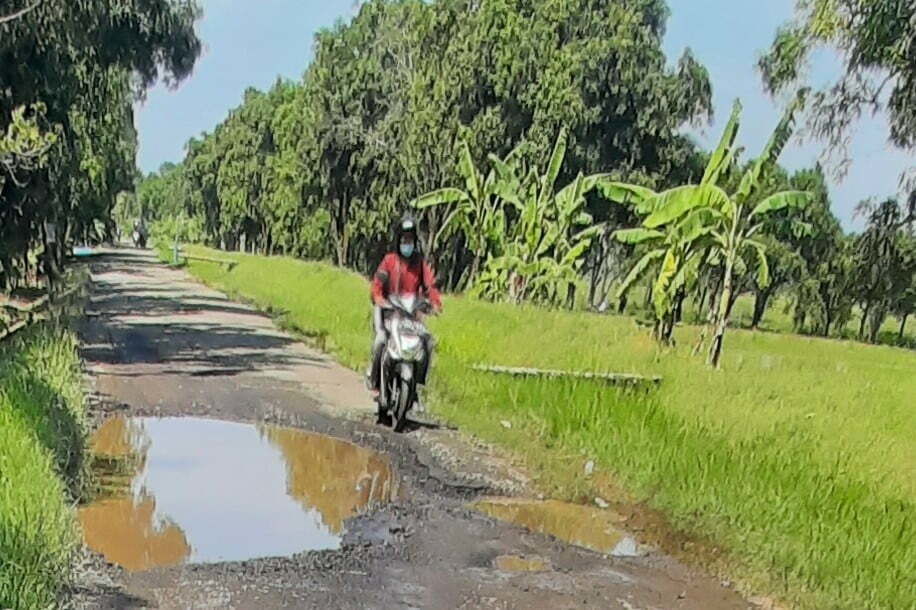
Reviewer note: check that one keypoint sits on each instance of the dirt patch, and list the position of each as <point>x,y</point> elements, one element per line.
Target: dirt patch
<point>517,563</point>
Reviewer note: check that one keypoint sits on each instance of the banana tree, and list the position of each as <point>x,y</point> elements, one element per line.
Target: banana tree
<point>675,233</point>
<point>677,253</point>
<point>546,245</point>
<point>704,217</point>
<point>476,210</point>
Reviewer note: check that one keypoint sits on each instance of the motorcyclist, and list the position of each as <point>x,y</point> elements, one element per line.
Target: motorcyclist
<point>403,272</point>
<point>140,233</point>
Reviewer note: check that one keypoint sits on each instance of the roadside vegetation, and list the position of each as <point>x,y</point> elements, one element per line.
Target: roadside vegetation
<point>797,460</point>
<point>42,436</point>
<point>536,185</point>
<point>70,75</point>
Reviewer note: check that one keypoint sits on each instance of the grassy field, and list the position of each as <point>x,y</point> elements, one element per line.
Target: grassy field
<point>42,432</point>
<point>797,458</point>
<point>778,318</point>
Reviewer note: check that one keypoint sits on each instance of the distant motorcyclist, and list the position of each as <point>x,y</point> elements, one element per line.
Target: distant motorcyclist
<point>139,233</point>
<point>402,272</point>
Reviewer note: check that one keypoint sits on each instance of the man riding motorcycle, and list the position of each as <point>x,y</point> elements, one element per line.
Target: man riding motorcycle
<point>402,272</point>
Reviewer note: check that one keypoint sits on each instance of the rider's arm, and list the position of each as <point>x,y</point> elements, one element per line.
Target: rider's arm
<point>380,282</point>
<point>429,280</point>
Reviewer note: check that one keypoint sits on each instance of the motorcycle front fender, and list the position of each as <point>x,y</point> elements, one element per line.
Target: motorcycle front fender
<point>406,371</point>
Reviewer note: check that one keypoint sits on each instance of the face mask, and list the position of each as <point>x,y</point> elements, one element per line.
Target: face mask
<point>406,250</point>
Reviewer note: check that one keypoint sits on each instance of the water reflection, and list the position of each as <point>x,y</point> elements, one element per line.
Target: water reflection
<point>580,525</point>
<point>128,533</point>
<point>180,490</point>
<point>336,478</point>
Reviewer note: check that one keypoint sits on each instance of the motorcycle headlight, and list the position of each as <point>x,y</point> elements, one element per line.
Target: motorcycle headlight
<point>411,346</point>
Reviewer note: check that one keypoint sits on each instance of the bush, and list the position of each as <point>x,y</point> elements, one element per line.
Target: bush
<point>42,436</point>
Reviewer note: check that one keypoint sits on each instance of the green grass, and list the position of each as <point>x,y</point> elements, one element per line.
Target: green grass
<point>42,433</point>
<point>798,458</point>
<point>778,318</point>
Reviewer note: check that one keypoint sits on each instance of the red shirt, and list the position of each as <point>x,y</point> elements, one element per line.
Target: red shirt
<point>396,275</point>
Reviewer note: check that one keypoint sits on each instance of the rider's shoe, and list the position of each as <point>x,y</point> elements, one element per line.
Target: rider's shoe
<point>419,405</point>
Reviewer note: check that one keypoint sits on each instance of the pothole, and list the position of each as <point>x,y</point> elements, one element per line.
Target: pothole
<point>188,490</point>
<point>583,526</point>
<point>519,563</point>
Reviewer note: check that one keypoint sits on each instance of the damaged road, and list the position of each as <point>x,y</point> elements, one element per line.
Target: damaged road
<point>159,345</point>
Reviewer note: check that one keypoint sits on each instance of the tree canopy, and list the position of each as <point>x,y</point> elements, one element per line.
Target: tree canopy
<point>70,74</point>
<point>390,96</point>
<point>877,44</point>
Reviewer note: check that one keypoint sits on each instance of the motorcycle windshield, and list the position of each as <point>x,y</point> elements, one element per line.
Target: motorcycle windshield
<point>407,302</point>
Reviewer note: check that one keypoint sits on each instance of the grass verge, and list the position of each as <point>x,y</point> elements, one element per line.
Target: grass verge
<point>797,459</point>
<point>42,433</point>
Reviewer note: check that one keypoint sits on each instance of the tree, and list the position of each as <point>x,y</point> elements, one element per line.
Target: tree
<point>904,304</point>
<point>877,41</point>
<point>83,64</point>
<point>24,147</point>
<point>883,273</point>
<point>475,210</point>
<point>377,117</point>
<point>788,235</point>
<point>687,220</point>
<point>535,256</point>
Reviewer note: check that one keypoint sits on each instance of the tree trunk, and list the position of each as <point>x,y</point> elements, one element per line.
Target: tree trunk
<point>701,299</point>
<point>799,317</point>
<point>571,297</point>
<point>679,307</point>
<point>714,298</point>
<point>342,250</point>
<point>718,338</point>
<point>471,273</point>
<point>664,329</point>
<point>862,323</point>
<point>877,319</point>
<point>46,259</point>
<point>732,299</point>
<point>760,306</point>
<point>902,326</point>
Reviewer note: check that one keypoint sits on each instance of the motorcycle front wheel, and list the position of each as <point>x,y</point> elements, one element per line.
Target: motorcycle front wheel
<point>403,399</point>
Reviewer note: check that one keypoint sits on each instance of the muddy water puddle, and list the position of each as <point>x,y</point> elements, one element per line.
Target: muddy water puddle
<point>188,490</point>
<point>598,530</point>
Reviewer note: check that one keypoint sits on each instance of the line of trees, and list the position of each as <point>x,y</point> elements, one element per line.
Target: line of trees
<point>513,128</point>
<point>320,167</point>
<point>69,75</point>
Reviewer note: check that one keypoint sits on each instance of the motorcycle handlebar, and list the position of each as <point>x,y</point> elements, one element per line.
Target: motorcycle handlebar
<point>423,307</point>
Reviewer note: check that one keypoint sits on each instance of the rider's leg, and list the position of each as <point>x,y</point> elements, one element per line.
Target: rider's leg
<point>378,348</point>
<point>423,370</point>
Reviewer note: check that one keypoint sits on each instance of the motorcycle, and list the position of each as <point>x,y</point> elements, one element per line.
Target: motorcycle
<point>139,239</point>
<point>404,354</point>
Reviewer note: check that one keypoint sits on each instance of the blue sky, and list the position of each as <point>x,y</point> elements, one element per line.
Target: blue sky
<point>251,43</point>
